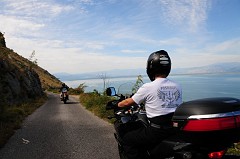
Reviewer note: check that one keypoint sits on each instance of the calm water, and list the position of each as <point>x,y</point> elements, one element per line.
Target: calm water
<point>194,86</point>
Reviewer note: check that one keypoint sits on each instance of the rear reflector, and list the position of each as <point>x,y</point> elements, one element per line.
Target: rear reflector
<point>212,124</point>
<point>216,154</point>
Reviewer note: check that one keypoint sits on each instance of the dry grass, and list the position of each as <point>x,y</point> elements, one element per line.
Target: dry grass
<point>12,116</point>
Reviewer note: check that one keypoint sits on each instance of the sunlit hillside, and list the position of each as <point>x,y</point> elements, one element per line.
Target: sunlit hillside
<point>47,79</point>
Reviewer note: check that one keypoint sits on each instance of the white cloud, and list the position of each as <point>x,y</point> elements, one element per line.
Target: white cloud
<point>15,26</point>
<point>28,18</point>
<point>77,61</point>
<point>34,8</point>
<point>94,45</point>
<point>227,51</point>
<point>199,59</point>
<point>84,43</point>
<point>226,47</point>
<point>133,51</point>
<point>53,56</point>
<point>189,13</point>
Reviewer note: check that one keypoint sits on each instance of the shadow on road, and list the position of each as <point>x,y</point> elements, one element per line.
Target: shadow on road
<point>72,102</point>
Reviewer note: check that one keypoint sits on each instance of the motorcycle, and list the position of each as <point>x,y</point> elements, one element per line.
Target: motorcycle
<point>204,128</point>
<point>64,95</point>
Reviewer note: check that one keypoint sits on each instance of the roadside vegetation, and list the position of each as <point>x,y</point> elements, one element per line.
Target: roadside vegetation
<point>12,116</point>
<point>96,103</point>
<point>235,149</point>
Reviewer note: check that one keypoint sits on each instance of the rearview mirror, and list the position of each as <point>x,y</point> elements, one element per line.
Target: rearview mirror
<point>110,91</point>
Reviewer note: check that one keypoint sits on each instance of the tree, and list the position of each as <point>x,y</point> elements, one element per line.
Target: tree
<point>138,84</point>
<point>32,59</point>
<point>80,89</point>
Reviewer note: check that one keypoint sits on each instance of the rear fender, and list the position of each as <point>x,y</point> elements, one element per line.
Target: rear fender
<point>64,95</point>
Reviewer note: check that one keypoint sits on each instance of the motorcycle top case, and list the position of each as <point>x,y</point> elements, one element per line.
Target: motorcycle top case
<point>209,120</point>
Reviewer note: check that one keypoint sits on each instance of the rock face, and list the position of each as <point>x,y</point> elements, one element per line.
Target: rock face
<point>18,86</point>
<point>18,83</point>
<point>2,40</point>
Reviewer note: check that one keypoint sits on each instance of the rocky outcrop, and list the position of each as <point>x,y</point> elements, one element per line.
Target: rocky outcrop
<point>2,40</point>
<point>18,86</point>
<point>18,83</point>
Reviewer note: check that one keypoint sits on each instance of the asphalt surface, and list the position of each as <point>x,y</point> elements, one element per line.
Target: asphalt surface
<point>62,131</point>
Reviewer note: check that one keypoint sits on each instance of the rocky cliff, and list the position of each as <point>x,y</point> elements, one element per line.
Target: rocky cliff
<point>2,40</point>
<point>19,77</point>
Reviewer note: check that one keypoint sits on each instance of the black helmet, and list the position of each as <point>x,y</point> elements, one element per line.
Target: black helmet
<point>158,63</point>
<point>63,84</point>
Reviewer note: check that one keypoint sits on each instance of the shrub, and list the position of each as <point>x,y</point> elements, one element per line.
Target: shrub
<point>96,103</point>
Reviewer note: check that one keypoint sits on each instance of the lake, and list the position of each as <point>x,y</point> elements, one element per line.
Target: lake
<point>193,86</point>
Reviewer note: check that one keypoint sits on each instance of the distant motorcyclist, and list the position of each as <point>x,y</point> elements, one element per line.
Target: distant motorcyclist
<point>64,87</point>
<point>161,97</point>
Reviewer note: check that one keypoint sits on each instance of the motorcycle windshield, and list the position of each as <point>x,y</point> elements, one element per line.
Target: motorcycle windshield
<point>126,89</point>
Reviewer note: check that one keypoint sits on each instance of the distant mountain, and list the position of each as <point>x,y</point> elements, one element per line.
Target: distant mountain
<point>96,75</point>
<point>214,68</point>
<point>233,67</point>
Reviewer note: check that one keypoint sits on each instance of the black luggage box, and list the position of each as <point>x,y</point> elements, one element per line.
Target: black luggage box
<point>213,121</point>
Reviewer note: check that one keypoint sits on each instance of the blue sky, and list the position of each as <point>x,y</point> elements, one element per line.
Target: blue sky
<point>78,36</point>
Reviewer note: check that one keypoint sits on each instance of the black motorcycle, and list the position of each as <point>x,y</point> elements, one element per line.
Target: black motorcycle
<point>203,129</point>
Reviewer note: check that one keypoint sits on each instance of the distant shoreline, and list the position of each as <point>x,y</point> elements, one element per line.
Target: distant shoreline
<point>210,73</point>
<point>176,74</point>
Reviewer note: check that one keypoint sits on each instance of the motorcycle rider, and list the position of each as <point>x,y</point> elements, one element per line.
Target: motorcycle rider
<point>161,97</point>
<point>64,86</point>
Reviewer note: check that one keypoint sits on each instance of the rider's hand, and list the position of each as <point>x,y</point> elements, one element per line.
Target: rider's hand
<point>112,104</point>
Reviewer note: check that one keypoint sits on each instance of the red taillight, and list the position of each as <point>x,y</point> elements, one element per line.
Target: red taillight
<point>212,124</point>
<point>216,154</point>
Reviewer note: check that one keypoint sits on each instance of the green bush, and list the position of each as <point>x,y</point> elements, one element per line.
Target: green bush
<point>96,103</point>
<point>234,150</point>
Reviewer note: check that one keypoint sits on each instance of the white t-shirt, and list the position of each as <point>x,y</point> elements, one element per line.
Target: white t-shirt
<point>161,97</point>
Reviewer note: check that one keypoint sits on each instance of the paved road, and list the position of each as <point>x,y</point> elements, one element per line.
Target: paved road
<point>62,131</point>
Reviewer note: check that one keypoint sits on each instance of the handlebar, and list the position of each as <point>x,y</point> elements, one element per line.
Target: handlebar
<point>121,111</point>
